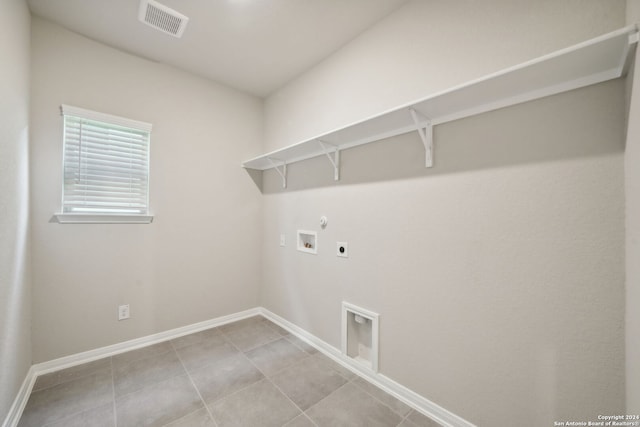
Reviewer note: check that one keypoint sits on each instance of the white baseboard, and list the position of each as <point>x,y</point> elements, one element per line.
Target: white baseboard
<point>12,418</point>
<point>409,397</point>
<point>111,350</point>
<point>400,392</point>
<point>88,356</point>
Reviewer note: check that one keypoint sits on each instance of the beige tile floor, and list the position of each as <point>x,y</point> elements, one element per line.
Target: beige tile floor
<point>248,373</point>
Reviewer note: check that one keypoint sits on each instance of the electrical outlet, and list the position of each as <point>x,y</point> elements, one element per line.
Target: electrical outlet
<point>342,249</point>
<point>123,312</point>
<point>283,240</point>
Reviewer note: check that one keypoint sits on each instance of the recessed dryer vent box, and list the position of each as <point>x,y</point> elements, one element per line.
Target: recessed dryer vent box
<point>360,335</point>
<point>308,241</point>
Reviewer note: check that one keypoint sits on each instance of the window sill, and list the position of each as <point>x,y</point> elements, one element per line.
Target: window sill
<point>102,219</point>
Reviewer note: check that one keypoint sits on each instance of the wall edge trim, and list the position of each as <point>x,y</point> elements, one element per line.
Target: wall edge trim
<point>15,412</point>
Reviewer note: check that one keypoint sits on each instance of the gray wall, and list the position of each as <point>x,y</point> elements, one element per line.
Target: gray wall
<point>499,274</point>
<point>199,259</point>
<point>632,218</point>
<point>15,304</point>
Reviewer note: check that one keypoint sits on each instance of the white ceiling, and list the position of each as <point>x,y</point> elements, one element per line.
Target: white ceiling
<point>253,45</point>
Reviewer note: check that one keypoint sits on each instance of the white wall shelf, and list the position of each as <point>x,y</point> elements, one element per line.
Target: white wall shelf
<point>594,61</point>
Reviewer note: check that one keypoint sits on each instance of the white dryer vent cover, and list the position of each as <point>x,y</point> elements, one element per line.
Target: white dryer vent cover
<point>162,18</point>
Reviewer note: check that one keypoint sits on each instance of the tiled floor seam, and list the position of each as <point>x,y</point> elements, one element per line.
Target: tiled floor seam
<point>145,358</point>
<point>380,401</point>
<point>281,392</point>
<point>188,415</point>
<point>237,391</point>
<point>406,418</point>
<point>299,346</point>
<point>213,420</point>
<point>403,417</point>
<point>307,417</point>
<point>113,393</point>
<point>254,365</point>
<point>272,383</point>
<point>288,398</point>
<point>321,400</point>
<point>94,371</point>
<point>285,368</point>
<point>149,385</point>
<point>234,392</point>
<point>252,348</point>
<point>63,382</point>
<point>347,381</point>
<point>277,328</point>
<point>81,411</point>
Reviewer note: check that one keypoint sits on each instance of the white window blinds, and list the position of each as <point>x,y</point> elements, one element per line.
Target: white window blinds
<point>106,164</point>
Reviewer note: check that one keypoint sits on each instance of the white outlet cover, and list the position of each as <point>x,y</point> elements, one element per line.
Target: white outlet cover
<point>283,240</point>
<point>123,312</point>
<point>342,249</point>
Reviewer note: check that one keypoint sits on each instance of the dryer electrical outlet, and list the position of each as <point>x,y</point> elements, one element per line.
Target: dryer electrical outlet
<point>342,249</point>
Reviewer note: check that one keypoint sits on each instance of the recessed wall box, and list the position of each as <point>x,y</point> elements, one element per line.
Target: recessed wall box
<point>360,335</point>
<point>308,241</point>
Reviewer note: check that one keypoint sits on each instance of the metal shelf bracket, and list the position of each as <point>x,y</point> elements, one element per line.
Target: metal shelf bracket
<point>425,130</point>
<point>335,160</point>
<point>280,168</point>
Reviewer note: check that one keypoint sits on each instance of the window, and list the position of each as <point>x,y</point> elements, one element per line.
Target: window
<point>105,168</point>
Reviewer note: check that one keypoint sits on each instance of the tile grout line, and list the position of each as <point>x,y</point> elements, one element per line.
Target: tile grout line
<point>65,381</point>
<point>310,420</point>
<point>262,345</point>
<point>194,386</point>
<point>250,361</point>
<point>320,356</point>
<point>150,384</point>
<point>183,417</point>
<point>307,355</point>
<point>73,414</point>
<point>299,346</point>
<point>352,380</point>
<point>271,382</point>
<point>145,357</point>
<point>264,320</point>
<point>403,417</point>
<point>324,398</point>
<point>113,390</point>
<point>286,367</point>
<point>258,346</point>
<point>288,398</point>
<point>406,418</point>
<point>277,388</point>
<point>269,323</point>
<point>240,353</point>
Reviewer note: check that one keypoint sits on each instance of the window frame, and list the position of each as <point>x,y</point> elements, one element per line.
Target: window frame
<point>103,217</point>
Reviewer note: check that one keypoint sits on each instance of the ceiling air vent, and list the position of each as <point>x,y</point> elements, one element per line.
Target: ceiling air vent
<point>162,18</point>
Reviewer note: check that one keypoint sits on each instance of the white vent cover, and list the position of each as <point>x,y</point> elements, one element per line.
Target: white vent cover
<point>162,18</point>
